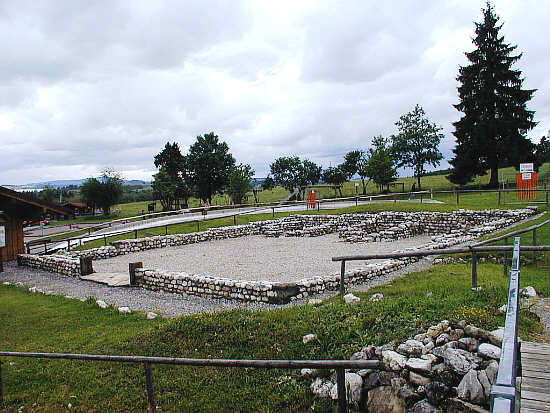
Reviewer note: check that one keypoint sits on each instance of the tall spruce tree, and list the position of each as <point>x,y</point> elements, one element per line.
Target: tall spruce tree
<point>491,132</point>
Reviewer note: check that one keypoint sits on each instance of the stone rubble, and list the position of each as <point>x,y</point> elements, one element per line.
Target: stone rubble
<point>417,376</point>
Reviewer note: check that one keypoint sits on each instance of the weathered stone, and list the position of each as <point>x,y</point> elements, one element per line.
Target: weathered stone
<point>456,334</point>
<point>418,379</point>
<point>376,297</point>
<point>436,392</point>
<point>468,343</point>
<point>496,336</point>
<point>101,303</point>
<point>528,292</point>
<point>419,365</point>
<point>460,361</point>
<point>124,310</point>
<point>423,406</point>
<point>441,339</point>
<point>151,315</point>
<point>489,351</point>
<point>470,389</point>
<point>350,298</point>
<point>404,390</point>
<point>366,353</point>
<point>411,348</point>
<point>354,385</point>
<point>314,301</point>
<point>384,400</point>
<point>484,380</point>
<point>379,378</point>
<point>492,371</point>
<point>393,360</point>
<point>321,388</point>
<point>308,337</point>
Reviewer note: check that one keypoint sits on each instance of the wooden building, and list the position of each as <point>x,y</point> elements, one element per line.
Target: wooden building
<point>16,208</point>
<point>78,208</point>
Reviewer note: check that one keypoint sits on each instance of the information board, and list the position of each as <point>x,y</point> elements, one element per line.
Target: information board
<point>526,167</point>
<point>2,236</point>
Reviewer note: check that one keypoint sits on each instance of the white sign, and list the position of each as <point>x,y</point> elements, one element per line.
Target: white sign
<point>2,236</point>
<point>526,167</point>
<point>526,176</point>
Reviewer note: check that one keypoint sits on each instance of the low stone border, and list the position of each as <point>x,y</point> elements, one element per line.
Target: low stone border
<point>447,229</point>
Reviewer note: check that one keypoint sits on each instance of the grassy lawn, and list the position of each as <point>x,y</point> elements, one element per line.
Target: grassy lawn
<point>35,322</point>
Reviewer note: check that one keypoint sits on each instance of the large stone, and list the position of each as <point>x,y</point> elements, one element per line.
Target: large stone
<point>404,390</point>
<point>124,310</point>
<point>350,298</point>
<point>492,371</point>
<point>496,336</point>
<point>101,303</point>
<point>470,389</point>
<point>484,380</point>
<point>460,361</point>
<point>151,315</point>
<point>468,343</point>
<point>366,353</point>
<point>379,378</point>
<point>393,360</point>
<point>384,400</point>
<point>411,348</point>
<point>528,292</point>
<point>489,351</point>
<point>418,379</point>
<point>308,337</point>
<point>376,297</point>
<point>321,388</point>
<point>436,392</point>
<point>419,365</point>
<point>423,406</point>
<point>354,384</point>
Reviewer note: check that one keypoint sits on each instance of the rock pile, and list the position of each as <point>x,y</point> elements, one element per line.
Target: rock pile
<point>446,361</point>
<point>60,264</point>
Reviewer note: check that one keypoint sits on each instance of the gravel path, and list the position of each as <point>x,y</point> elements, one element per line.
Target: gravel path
<point>257,257</point>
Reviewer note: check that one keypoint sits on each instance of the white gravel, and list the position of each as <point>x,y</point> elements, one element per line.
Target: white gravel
<point>257,257</point>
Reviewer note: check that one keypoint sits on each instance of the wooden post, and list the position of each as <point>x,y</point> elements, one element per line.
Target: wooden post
<point>342,275</point>
<point>474,270</point>
<point>150,387</point>
<point>421,194</point>
<point>68,245</point>
<point>499,196</point>
<point>505,258</point>
<point>273,211</point>
<point>356,201</point>
<point>394,199</point>
<point>132,271</point>
<point>318,205</point>
<point>235,219</point>
<point>457,197</point>
<point>547,199</point>
<point>28,248</point>
<point>45,247</point>
<point>341,382</point>
<point>431,193</point>
<point>535,244</point>
<point>198,226</point>
<point>105,240</point>
<point>1,386</point>
<point>86,267</point>
<point>135,233</point>
<point>166,230</point>
<point>2,262</point>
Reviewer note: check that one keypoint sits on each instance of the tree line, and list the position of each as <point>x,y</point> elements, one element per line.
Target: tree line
<point>490,134</point>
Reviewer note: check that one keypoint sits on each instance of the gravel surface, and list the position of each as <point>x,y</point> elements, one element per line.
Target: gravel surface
<point>257,257</point>
<point>167,304</point>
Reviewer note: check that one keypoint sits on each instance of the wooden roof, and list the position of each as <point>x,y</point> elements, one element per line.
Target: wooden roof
<point>25,206</point>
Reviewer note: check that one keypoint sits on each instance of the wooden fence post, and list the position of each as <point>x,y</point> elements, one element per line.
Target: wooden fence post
<point>341,383</point>
<point>166,230</point>
<point>499,195</point>
<point>342,275</point>
<point>105,240</point>
<point>132,267</point>
<point>135,233</point>
<point>149,383</point>
<point>474,269</point>
<point>1,387</point>
<point>505,258</point>
<point>535,244</point>
<point>86,266</point>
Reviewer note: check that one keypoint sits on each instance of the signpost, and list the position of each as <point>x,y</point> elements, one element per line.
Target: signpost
<point>526,167</point>
<point>3,244</point>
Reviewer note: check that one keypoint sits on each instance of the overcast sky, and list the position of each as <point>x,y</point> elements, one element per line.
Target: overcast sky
<point>86,85</point>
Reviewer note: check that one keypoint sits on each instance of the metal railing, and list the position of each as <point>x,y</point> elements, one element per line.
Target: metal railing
<point>503,392</point>
<point>443,251</point>
<point>338,365</point>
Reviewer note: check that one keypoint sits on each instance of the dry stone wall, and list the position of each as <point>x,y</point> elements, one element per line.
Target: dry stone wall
<point>54,263</point>
<point>447,229</point>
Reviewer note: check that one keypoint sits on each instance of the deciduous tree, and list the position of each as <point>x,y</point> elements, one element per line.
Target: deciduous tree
<point>240,182</point>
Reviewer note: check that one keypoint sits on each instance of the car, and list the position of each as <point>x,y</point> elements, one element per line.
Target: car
<point>34,223</point>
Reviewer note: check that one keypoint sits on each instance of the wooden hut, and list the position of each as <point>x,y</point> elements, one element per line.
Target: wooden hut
<point>16,208</point>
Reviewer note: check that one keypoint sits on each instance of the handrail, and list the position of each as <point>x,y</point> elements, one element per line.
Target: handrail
<point>511,234</point>
<point>338,365</point>
<point>503,392</point>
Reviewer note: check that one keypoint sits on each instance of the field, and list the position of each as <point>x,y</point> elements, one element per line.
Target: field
<point>54,323</point>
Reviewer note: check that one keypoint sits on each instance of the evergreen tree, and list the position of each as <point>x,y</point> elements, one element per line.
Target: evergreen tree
<point>491,132</point>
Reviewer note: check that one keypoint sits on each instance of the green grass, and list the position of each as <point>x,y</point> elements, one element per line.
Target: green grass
<point>46,323</point>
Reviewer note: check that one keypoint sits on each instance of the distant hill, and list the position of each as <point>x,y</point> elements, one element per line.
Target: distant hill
<point>63,183</point>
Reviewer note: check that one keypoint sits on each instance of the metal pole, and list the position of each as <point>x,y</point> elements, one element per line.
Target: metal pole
<point>535,244</point>
<point>505,258</point>
<point>474,270</point>
<point>341,382</point>
<point>150,387</point>
<point>342,275</point>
